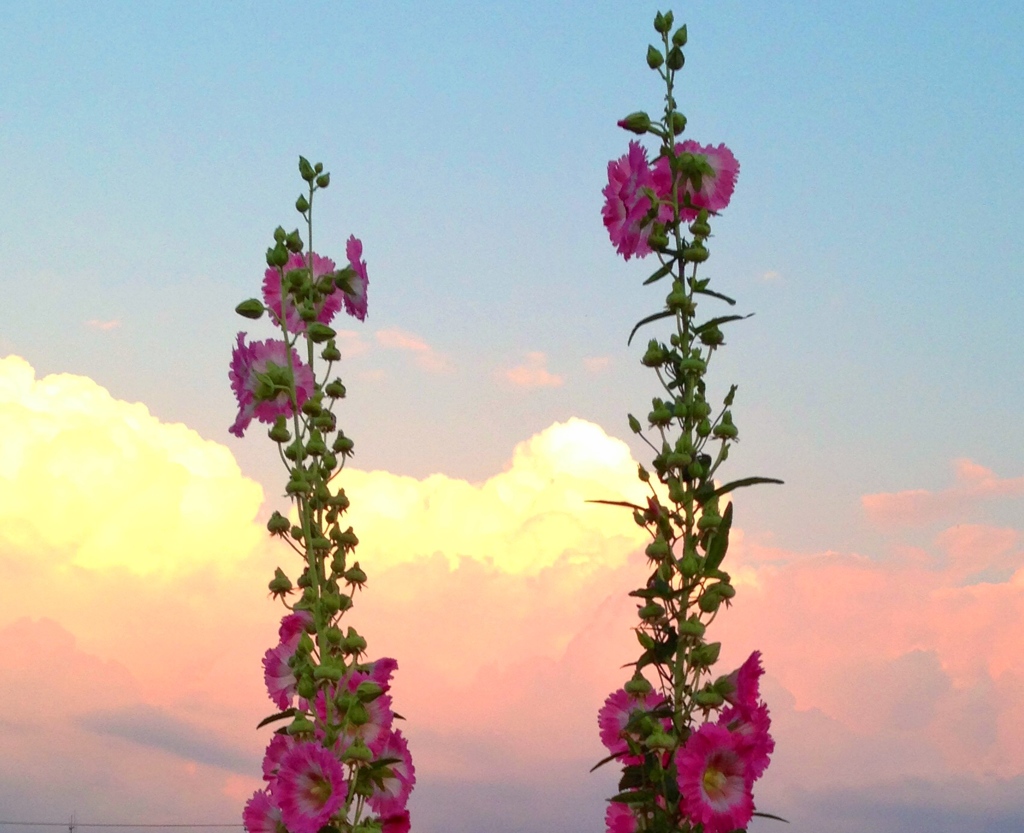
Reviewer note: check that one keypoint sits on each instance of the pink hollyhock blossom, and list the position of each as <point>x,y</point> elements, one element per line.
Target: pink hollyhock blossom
<point>752,727</point>
<point>615,714</point>
<point>381,670</point>
<point>398,823</point>
<point>278,675</point>
<point>626,205</point>
<point>261,815</point>
<point>390,798</point>
<point>293,625</point>
<point>714,779</point>
<point>743,683</point>
<point>716,187</point>
<point>277,748</point>
<point>258,372</point>
<point>620,818</point>
<point>310,787</point>
<point>272,291</point>
<point>374,732</point>
<point>355,301</point>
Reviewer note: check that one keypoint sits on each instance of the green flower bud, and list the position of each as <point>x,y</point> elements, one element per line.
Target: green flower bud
<point>645,640</point>
<point>335,389</point>
<point>708,699</point>
<point>319,333</point>
<point>355,575</point>
<point>277,256</point>
<point>706,655</point>
<point>358,715</point>
<point>661,24</point>
<point>325,421</point>
<point>354,643</point>
<point>368,691</point>
<point>643,474</point>
<point>357,751</point>
<point>279,235</point>
<point>331,353</point>
<point>692,627</point>
<point>638,518</point>
<point>312,407</point>
<point>712,336</point>
<point>302,204</point>
<point>328,462</point>
<point>295,452</point>
<point>651,612</point>
<point>278,524</point>
<point>634,424</point>
<point>253,308</point>
<point>340,500</point>
<point>638,686</point>
<point>725,430</point>
<point>675,59</point>
<point>342,445</point>
<point>677,123</point>
<point>696,253</point>
<point>638,123</point>
<point>296,533</point>
<point>708,521</point>
<point>297,485</point>
<point>676,491</point>
<point>660,415</point>
<point>693,365</point>
<point>280,585</point>
<point>657,239</point>
<point>655,355</point>
<point>700,228</point>
<point>323,180</point>
<point>679,38</point>
<point>328,670</point>
<point>658,549</point>
<point>690,565</point>
<point>293,242</point>
<point>279,431</point>
<point>319,544</point>
<point>660,740</point>
<point>301,724</point>
<point>316,445</point>
<point>318,167</point>
<point>306,170</point>
<point>654,57</point>
<point>703,429</point>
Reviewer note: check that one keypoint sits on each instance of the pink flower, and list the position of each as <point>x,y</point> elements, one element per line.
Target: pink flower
<point>355,301</point>
<point>752,727</point>
<point>744,682</point>
<point>615,714</point>
<point>278,675</point>
<point>390,798</point>
<point>293,625</point>
<point>261,815</point>
<point>717,184</point>
<point>620,818</point>
<point>374,732</point>
<point>272,291</point>
<point>714,779</point>
<point>626,205</point>
<point>277,748</point>
<point>381,670</point>
<point>398,823</point>
<point>260,380</point>
<point>310,787</point>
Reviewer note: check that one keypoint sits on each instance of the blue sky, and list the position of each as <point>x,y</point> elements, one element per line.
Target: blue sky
<point>147,151</point>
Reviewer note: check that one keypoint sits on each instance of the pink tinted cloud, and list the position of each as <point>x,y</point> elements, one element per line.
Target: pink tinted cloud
<point>104,326</point>
<point>914,507</point>
<point>533,373</point>
<point>596,364</point>
<point>425,355</point>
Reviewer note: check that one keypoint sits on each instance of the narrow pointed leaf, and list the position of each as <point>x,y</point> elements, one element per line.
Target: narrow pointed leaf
<point>278,716</point>
<point>770,816</point>
<point>625,503</point>
<point>665,313</point>
<point>718,295</point>
<point>657,276</point>
<point>604,761</point>
<point>746,481</point>
<point>720,542</point>
<point>724,319</point>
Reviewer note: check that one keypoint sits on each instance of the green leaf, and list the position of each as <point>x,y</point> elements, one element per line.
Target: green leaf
<point>719,542</point>
<point>657,276</point>
<point>604,761</point>
<point>665,313</point>
<point>718,295</point>
<point>746,481</point>
<point>625,503</point>
<point>278,716</point>
<point>633,797</point>
<point>770,816</point>
<point>632,777</point>
<point>724,319</point>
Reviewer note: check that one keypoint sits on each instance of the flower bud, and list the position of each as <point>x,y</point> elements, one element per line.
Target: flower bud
<point>692,627</point>
<point>712,336</point>
<point>634,424</point>
<point>331,353</point>
<point>643,474</point>
<point>295,452</point>
<point>342,445</point>
<point>340,500</point>
<point>293,242</point>
<point>280,585</point>
<point>335,389</point>
<point>316,445</point>
<point>700,228</point>
<point>661,23</point>
<point>679,38</point>
<point>357,751</point>
<point>354,643</point>
<point>645,640</point>
<point>318,167</point>
<point>368,691</point>
<point>319,333</point>
<point>677,123</point>
<point>253,308</point>
<point>358,715</point>
<point>278,524</point>
<point>334,636</point>
<point>706,655</point>
<point>279,235</point>
<point>277,256</point>
<point>312,407</point>
<point>323,180</point>
<point>655,355</point>
<point>329,670</point>
<point>658,549</point>
<point>696,253</point>
<point>708,521</point>
<point>355,575</point>
<point>306,170</point>
<point>297,484</point>
<point>675,59</point>
<point>703,429</point>
<point>279,431</point>
<point>708,699</point>
<point>638,123</point>
<point>659,739</point>
<point>651,612</point>
<point>326,421</point>
<point>638,686</point>
<point>302,204</point>
<point>654,57</point>
<point>301,724</point>
<point>690,565</point>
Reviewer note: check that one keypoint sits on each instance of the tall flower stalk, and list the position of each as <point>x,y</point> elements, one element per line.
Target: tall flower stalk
<point>691,743</point>
<point>339,762</point>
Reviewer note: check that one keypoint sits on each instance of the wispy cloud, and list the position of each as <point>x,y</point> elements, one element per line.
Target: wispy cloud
<point>771,276</point>
<point>104,326</point>
<point>533,373</point>
<point>350,343</point>
<point>596,364</point>
<point>916,507</point>
<point>425,356</point>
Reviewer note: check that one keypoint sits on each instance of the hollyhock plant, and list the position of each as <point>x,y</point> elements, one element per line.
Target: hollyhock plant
<point>691,744</point>
<point>337,762</point>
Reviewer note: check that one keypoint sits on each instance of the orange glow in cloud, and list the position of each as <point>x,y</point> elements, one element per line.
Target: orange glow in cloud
<point>426,356</point>
<point>533,373</point>
<point>104,326</point>
<point>135,586</point>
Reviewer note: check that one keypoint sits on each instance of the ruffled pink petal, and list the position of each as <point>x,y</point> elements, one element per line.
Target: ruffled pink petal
<point>277,748</point>
<point>390,799</point>
<point>272,291</point>
<point>248,360</point>
<point>294,625</point>
<point>626,205</point>
<point>714,779</point>
<point>397,823</point>
<point>620,818</point>
<point>261,815</point>
<point>752,726</point>
<point>381,671</point>
<point>310,787</point>
<point>278,676</point>
<point>614,715</point>
<point>355,301</point>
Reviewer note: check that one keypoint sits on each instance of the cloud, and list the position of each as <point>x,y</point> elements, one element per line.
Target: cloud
<point>350,343</point>
<point>771,276</point>
<point>425,355</point>
<point>96,324</point>
<point>97,483</point>
<point>596,364</point>
<point>918,507</point>
<point>533,373</point>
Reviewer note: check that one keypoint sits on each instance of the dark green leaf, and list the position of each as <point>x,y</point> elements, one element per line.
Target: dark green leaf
<point>604,761</point>
<point>723,319</point>
<point>617,503</point>
<point>770,816</point>
<point>278,716</point>
<point>665,313</point>
<point>633,797</point>
<point>657,276</point>
<point>746,481</point>
<point>719,542</point>
<point>718,295</point>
